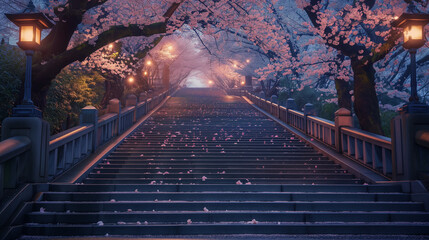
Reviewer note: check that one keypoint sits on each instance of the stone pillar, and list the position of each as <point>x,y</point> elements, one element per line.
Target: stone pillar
<point>131,100</point>
<point>89,115</point>
<point>343,118</point>
<point>275,110</point>
<point>142,97</point>
<point>410,156</point>
<point>274,99</point>
<point>290,104</point>
<point>308,111</point>
<point>114,106</point>
<point>37,130</point>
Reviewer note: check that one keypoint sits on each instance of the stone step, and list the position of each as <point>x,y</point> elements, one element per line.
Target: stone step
<point>220,162</point>
<point>212,217</point>
<point>380,188</point>
<point>138,156</point>
<point>123,206</point>
<point>242,175</point>
<point>177,181</point>
<point>301,170</point>
<point>186,165</point>
<point>377,228</point>
<point>207,165</point>
<point>224,196</point>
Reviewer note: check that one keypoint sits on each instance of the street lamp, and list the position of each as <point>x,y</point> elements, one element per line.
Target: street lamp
<point>130,79</point>
<point>30,25</point>
<point>414,38</point>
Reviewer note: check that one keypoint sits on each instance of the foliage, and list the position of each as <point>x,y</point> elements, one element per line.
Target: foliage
<point>71,91</point>
<point>12,69</point>
<point>386,116</point>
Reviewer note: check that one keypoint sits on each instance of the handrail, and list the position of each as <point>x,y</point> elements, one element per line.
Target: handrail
<point>367,136</point>
<point>422,138</point>
<point>107,117</point>
<point>322,130</point>
<point>322,121</point>
<point>12,152</point>
<point>67,135</point>
<point>73,145</point>
<point>12,147</point>
<point>372,150</point>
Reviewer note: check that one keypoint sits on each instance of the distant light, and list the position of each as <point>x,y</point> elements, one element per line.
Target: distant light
<point>235,65</point>
<point>210,82</point>
<point>248,60</point>
<point>395,17</point>
<point>130,79</point>
<point>243,82</point>
<point>149,62</point>
<point>170,47</point>
<point>110,46</point>
<point>145,73</point>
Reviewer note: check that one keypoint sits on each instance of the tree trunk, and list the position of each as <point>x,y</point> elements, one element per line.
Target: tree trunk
<point>114,89</point>
<point>366,102</point>
<point>343,94</point>
<point>38,95</point>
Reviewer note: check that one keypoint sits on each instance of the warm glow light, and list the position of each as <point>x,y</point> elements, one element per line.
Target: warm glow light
<point>235,65</point>
<point>170,48</point>
<point>210,82</point>
<point>145,73</point>
<point>248,60</point>
<point>149,62</point>
<point>413,32</point>
<point>27,34</point>
<point>130,79</point>
<point>38,36</point>
<point>243,82</point>
<point>395,17</point>
<point>111,46</point>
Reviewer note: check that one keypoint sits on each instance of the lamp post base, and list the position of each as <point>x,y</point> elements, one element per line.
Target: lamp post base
<point>414,108</point>
<point>26,110</point>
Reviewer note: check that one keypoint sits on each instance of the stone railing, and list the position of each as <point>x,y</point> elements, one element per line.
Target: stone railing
<point>71,146</point>
<point>13,153</point>
<point>374,151</point>
<point>29,154</point>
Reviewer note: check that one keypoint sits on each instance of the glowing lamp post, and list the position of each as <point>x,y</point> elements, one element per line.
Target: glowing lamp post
<point>30,25</point>
<point>414,38</point>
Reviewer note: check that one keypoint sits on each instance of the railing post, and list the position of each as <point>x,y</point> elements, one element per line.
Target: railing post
<point>37,130</point>
<point>89,115</point>
<point>290,104</point>
<point>343,118</point>
<point>115,107</point>
<point>131,100</point>
<point>409,157</point>
<point>308,111</point>
<point>275,99</point>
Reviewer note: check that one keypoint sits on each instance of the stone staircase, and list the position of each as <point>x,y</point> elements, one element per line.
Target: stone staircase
<point>210,164</point>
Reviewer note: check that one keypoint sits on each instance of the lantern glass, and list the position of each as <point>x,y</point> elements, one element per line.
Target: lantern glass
<point>27,34</point>
<point>38,36</point>
<point>413,32</point>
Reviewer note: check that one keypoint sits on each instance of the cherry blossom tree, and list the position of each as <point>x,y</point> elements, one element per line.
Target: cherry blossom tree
<point>361,31</point>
